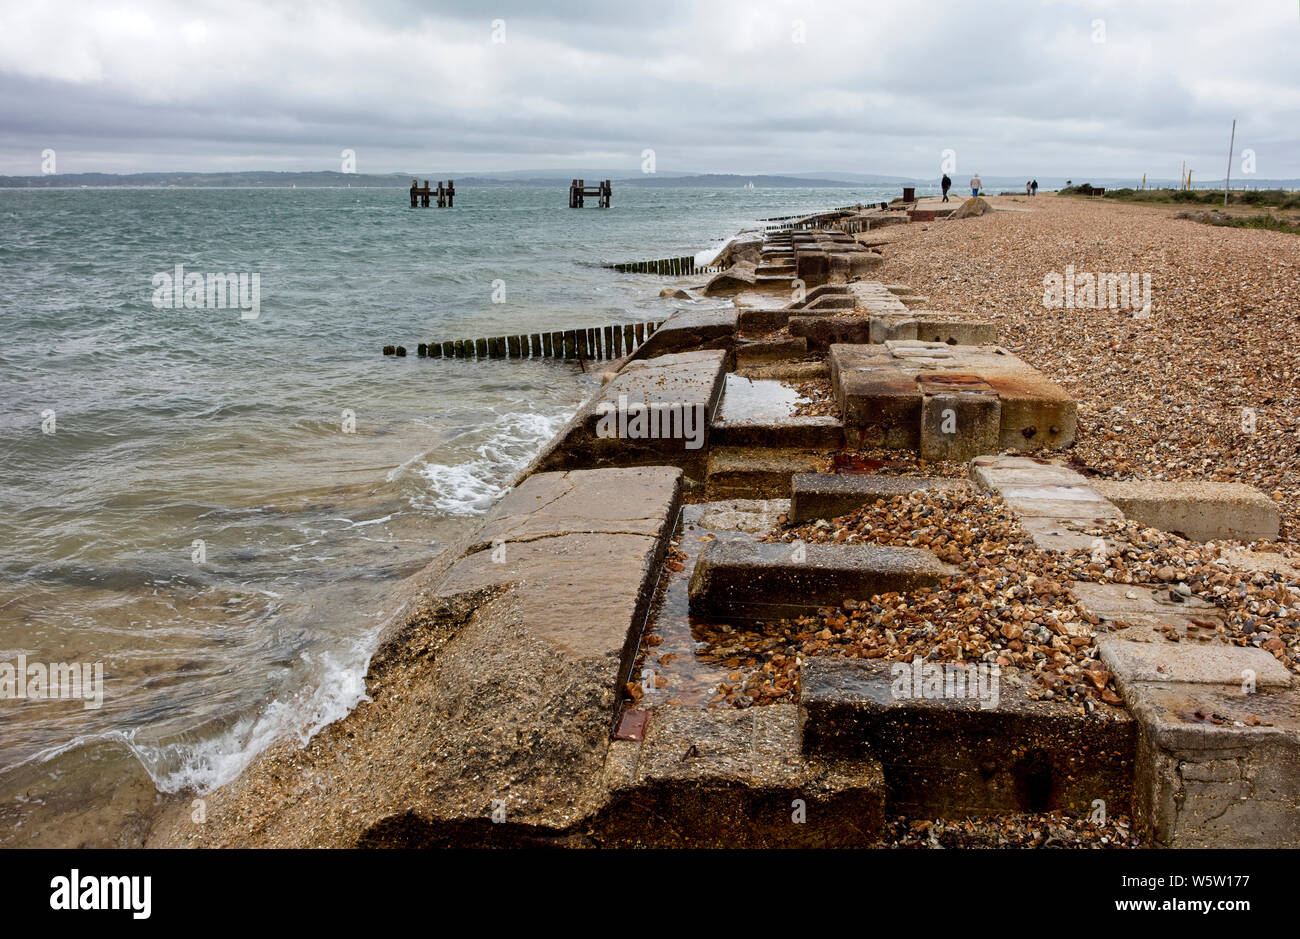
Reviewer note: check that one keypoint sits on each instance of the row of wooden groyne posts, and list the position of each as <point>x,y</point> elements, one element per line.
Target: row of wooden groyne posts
<point>596,342</point>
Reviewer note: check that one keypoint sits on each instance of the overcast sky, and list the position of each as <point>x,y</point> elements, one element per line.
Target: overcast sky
<point>1057,87</point>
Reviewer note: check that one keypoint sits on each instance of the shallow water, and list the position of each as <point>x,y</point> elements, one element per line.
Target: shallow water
<point>223,506</point>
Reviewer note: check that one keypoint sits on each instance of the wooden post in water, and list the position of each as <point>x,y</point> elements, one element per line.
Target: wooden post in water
<point>451,193</point>
<point>512,343</point>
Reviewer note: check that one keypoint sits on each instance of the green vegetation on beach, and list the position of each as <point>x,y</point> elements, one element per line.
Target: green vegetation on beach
<point>1280,199</point>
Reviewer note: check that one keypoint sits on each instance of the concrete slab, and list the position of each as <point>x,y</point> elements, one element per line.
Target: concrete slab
<point>1199,510</point>
<point>830,495</point>
<point>821,332</point>
<point>747,581</point>
<point>751,515</point>
<point>1147,614</point>
<point>952,329</point>
<point>1183,662</point>
<point>689,329</point>
<point>1059,501</point>
<point>611,501</point>
<point>760,413</point>
<point>994,472</point>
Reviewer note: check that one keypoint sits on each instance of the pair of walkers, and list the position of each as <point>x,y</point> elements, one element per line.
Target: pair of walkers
<point>976,184</point>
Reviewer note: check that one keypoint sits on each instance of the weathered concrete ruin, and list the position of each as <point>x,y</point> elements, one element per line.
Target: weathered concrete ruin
<point>515,702</point>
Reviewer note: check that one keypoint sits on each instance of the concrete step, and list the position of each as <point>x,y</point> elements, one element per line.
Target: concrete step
<point>746,581</point>
<point>760,414</point>
<point>961,739</point>
<point>756,472</point>
<point>712,778</point>
<point>761,351</point>
<point>830,495</point>
<point>649,414</point>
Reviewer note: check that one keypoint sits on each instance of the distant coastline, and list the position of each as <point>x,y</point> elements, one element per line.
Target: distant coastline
<point>257,179</point>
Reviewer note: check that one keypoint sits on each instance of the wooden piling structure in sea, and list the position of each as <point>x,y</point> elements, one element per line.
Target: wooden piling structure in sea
<point>578,190</point>
<point>670,267</point>
<point>591,343</point>
<point>422,195</point>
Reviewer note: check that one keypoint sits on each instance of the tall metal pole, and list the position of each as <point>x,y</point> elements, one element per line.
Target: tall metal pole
<point>1228,181</point>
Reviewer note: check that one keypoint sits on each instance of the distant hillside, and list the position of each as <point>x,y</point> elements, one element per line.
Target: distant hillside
<point>390,180</point>
<point>733,181</point>
<point>553,178</point>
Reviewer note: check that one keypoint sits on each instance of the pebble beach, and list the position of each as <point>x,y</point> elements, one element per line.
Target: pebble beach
<point>1160,397</point>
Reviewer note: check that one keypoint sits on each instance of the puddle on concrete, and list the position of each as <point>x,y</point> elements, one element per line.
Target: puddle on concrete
<point>758,401</point>
<point>681,662</point>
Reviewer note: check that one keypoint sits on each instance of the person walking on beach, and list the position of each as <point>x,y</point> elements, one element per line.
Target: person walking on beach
<point>976,184</point>
<point>946,184</point>
<point>1028,188</point>
<point>1033,188</point>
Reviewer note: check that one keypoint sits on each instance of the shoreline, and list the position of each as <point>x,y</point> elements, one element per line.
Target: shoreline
<point>494,687</point>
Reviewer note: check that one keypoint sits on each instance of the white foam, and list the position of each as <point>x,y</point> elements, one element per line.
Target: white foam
<point>471,487</point>
<point>336,686</point>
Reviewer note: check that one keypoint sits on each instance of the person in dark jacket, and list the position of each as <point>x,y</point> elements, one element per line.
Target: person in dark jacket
<point>946,183</point>
<point>1033,186</point>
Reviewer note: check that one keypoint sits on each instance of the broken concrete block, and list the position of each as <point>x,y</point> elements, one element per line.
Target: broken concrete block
<point>879,397</point>
<point>761,351</point>
<point>750,581</point>
<point>734,279</point>
<point>951,329</point>
<point>820,332</point>
<point>958,739</point>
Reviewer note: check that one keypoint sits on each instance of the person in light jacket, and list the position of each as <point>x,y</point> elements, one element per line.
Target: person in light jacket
<point>976,184</point>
